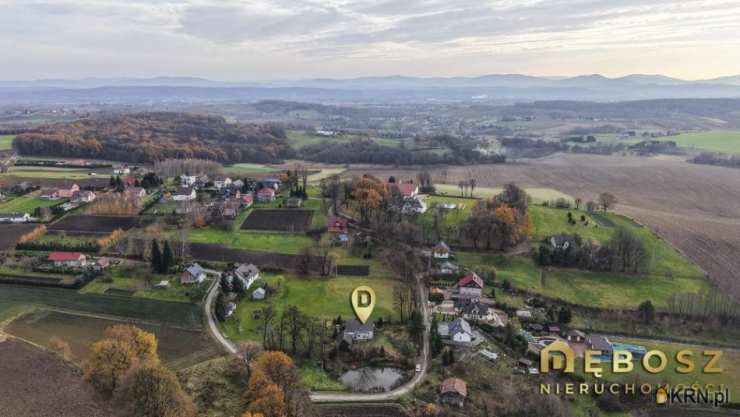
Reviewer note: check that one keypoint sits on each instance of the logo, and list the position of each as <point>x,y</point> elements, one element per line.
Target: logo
<point>661,396</point>
<point>363,302</point>
<point>562,355</point>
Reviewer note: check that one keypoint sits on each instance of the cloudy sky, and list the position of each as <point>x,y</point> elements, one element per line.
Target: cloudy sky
<point>296,39</point>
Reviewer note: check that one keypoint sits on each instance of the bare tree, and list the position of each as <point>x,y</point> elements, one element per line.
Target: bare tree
<point>607,201</point>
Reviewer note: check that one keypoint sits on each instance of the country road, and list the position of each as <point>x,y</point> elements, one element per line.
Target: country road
<point>334,397</point>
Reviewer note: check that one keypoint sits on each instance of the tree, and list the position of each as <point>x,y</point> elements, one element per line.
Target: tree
<point>591,206</point>
<point>144,344</point>
<point>60,347</point>
<point>156,261</point>
<point>628,252</point>
<point>109,361</point>
<point>168,257</point>
<point>564,315</point>
<point>153,391</point>
<point>578,202</point>
<point>266,398</point>
<point>646,311</point>
<point>607,201</point>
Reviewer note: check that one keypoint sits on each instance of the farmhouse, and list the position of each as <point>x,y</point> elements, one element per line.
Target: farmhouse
<point>248,273</point>
<point>68,192</point>
<point>266,194</point>
<point>221,182</point>
<point>454,391</point>
<point>471,285</point>
<point>83,197</point>
<point>188,180</point>
<point>355,331</point>
<point>184,194</point>
<point>194,274</point>
<point>15,217</point>
<point>67,259</point>
<point>337,225</point>
<point>441,251</point>
<point>473,310</point>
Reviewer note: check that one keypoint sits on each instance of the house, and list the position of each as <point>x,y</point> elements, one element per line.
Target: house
<point>553,330</point>
<point>471,285</point>
<point>247,200</point>
<point>237,184</point>
<point>49,194</point>
<point>441,251</point>
<point>65,192</point>
<point>293,202</point>
<point>194,274</point>
<point>15,217</point>
<point>575,336</point>
<point>562,242</point>
<point>266,194</point>
<point>84,197</point>
<point>184,194</point>
<point>473,310</point>
<point>135,192</point>
<point>231,208</point>
<point>408,189</point>
<point>258,294</point>
<point>454,391</point>
<point>448,268</point>
<point>22,187</point>
<point>338,225</point>
<point>221,182</point>
<point>188,180</point>
<point>271,182</point>
<point>123,170</point>
<point>356,331</point>
<point>248,273</point>
<point>129,181</point>
<point>524,314</point>
<point>67,259</point>
<point>599,342</point>
<point>459,331</point>
<point>413,206</point>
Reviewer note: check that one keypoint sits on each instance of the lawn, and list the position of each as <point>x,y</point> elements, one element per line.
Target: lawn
<point>550,221</point>
<point>607,290</point>
<point>246,168</point>
<point>299,139</point>
<point>6,142</point>
<point>131,278</point>
<point>537,194</point>
<point>50,172</point>
<point>730,364</point>
<point>257,241</point>
<point>26,203</point>
<point>725,141</point>
<point>317,297</point>
<point>316,379</point>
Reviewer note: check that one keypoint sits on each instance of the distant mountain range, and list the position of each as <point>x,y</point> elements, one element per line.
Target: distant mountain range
<point>502,87</point>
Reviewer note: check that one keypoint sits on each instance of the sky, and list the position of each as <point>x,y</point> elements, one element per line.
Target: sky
<point>299,39</point>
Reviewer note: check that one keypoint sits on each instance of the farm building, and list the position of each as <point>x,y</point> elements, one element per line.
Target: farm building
<point>67,259</point>
<point>68,192</point>
<point>266,194</point>
<point>194,274</point>
<point>15,217</point>
<point>471,285</point>
<point>356,331</point>
<point>258,294</point>
<point>454,391</point>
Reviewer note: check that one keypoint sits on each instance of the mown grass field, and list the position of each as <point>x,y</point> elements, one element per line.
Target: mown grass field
<point>51,172</point>
<point>538,194</point>
<point>6,142</point>
<point>607,290</point>
<point>259,241</point>
<point>246,168</point>
<point>550,221</point>
<point>316,297</point>
<point>730,364</point>
<point>725,141</point>
<point>26,203</point>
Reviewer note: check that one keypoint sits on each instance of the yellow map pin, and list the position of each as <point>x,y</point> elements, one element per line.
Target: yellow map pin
<point>363,302</point>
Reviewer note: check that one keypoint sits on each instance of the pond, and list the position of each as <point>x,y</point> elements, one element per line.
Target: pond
<point>372,379</point>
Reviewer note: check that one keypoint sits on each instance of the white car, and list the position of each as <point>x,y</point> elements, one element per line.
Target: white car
<point>418,367</point>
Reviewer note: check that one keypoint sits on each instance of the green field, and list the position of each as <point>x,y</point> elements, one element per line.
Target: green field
<point>299,139</point>
<point>730,364</point>
<point>537,194</point>
<point>51,172</point>
<point>725,141</point>
<point>26,203</point>
<point>549,221</point>
<point>131,279</point>
<point>245,168</point>
<point>258,241</point>
<point>607,290</point>
<point>316,297</point>
<point>6,142</point>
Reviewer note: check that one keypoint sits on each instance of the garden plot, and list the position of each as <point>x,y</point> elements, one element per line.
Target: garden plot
<point>280,220</point>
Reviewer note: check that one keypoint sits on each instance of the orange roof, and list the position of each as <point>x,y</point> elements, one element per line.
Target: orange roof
<point>455,385</point>
<point>65,256</point>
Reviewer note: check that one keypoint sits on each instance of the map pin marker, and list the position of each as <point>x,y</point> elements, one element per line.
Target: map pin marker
<point>363,302</point>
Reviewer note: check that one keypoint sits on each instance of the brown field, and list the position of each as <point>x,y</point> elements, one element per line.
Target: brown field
<point>283,220</point>
<point>10,233</point>
<point>36,383</point>
<point>92,225</point>
<point>177,348</point>
<point>695,207</point>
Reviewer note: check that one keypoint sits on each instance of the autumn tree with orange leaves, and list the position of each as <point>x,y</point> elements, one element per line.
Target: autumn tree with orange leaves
<point>275,389</point>
<point>499,223</point>
<point>368,191</point>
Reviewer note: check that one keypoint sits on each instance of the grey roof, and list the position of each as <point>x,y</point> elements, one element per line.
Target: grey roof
<point>474,308</point>
<point>259,292</point>
<point>247,270</point>
<point>460,326</point>
<point>355,326</point>
<point>195,270</point>
<point>599,342</point>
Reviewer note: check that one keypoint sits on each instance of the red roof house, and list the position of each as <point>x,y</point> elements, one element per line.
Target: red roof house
<point>336,224</point>
<point>247,199</point>
<point>67,259</point>
<point>408,189</point>
<point>470,285</point>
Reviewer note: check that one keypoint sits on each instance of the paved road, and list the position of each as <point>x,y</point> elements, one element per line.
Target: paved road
<point>210,317</point>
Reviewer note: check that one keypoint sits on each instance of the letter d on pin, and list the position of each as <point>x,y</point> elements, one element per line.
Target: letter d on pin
<point>363,302</point>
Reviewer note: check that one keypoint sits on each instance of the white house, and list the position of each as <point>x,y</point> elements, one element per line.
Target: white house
<point>194,274</point>
<point>247,273</point>
<point>184,194</point>
<point>458,331</point>
<point>15,217</point>
<point>441,251</point>
<point>221,182</point>
<point>188,180</point>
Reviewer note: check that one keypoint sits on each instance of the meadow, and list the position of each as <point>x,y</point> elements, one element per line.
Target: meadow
<point>247,168</point>
<point>26,203</point>
<point>51,172</point>
<point>6,142</point>
<point>299,139</point>
<point>538,194</point>
<point>257,241</point>
<point>317,297</point>
<point>725,141</point>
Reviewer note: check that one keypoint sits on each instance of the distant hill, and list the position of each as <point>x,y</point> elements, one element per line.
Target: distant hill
<point>148,137</point>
